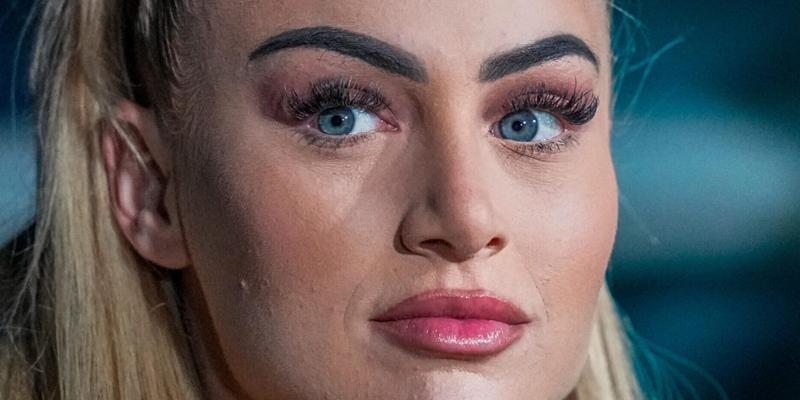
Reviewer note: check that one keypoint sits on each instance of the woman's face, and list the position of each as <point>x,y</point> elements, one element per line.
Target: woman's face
<point>451,157</point>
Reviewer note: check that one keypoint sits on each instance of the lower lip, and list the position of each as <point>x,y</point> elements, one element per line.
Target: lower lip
<point>450,336</point>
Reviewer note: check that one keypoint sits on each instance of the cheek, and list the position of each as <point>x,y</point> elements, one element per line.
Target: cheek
<point>278,251</point>
<point>570,262</point>
<point>571,282</point>
<point>582,229</point>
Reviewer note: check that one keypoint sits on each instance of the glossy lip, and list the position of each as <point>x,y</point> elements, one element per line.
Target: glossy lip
<point>453,324</point>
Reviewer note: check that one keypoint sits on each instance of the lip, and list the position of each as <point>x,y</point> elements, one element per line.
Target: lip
<point>453,324</point>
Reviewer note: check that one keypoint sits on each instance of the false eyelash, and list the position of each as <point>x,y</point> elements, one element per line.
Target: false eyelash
<point>329,93</point>
<point>575,107</point>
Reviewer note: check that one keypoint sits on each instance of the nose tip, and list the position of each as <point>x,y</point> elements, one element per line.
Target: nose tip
<point>456,223</point>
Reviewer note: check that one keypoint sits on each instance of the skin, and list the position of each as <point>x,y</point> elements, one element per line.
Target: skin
<point>286,249</point>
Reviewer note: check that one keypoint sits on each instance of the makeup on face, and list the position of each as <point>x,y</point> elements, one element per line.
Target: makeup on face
<point>360,163</point>
<point>536,118</point>
<point>453,323</point>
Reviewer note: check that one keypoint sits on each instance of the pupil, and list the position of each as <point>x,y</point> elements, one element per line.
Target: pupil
<point>518,125</point>
<point>337,120</point>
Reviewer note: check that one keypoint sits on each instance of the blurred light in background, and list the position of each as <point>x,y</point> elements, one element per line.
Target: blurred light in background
<point>708,159</point>
<point>17,143</point>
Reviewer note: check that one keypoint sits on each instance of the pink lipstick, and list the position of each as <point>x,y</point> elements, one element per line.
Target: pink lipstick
<point>453,323</point>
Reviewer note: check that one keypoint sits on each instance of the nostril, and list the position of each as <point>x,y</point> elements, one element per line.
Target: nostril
<point>452,252</point>
<point>433,243</point>
<point>441,247</point>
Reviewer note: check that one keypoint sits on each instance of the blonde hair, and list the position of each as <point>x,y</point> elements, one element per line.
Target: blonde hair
<point>87,319</point>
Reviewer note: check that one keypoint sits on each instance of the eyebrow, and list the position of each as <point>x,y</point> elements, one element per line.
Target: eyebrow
<point>521,58</point>
<point>369,49</point>
<point>400,62</point>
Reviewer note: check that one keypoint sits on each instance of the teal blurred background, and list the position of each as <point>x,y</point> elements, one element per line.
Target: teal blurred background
<point>707,149</point>
<point>708,159</point>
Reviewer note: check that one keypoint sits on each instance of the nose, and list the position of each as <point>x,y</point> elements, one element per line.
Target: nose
<point>453,216</point>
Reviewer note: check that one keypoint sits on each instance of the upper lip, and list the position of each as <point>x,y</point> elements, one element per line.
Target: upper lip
<point>456,304</point>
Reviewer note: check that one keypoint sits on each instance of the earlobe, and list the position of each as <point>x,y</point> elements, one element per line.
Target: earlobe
<point>139,183</point>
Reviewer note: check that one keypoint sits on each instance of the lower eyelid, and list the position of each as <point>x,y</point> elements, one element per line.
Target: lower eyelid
<point>326,142</point>
<point>542,149</point>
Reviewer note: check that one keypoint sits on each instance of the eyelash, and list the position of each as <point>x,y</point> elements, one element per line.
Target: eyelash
<point>572,108</point>
<point>329,93</point>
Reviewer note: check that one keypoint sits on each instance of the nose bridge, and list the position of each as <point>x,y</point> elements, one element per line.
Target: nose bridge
<point>453,146</point>
<point>457,184</point>
<point>454,217</point>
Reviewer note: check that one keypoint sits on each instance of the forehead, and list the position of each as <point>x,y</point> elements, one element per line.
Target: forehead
<point>443,34</point>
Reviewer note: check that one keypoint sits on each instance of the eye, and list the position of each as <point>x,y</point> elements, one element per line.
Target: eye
<point>345,120</point>
<point>529,126</point>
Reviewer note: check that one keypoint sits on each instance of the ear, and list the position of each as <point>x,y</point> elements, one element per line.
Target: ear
<point>142,190</point>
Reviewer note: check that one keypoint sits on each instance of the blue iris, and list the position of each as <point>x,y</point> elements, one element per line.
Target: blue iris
<point>521,126</point>
<point>337,121</point>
